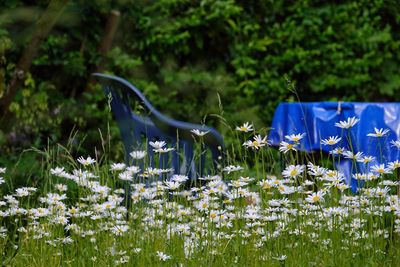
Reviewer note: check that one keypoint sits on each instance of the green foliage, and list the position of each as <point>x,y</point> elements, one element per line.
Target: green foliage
<point>184,54</point>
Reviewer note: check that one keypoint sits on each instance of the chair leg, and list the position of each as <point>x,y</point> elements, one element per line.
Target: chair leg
<point>202,161</point>
<point>190,169</point>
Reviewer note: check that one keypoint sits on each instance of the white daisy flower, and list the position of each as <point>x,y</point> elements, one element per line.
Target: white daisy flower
<point>332,140</point>
<point>366,159</point>
<point>360,176</point>
<point>316,170</point>
<point>172,185</point>
<point>57,171</point>
<point>285,147</point>
<point>232,168</point>
<point>153,171</point>
<point>125,176</point>
<point>86,162</point>
<point>179,178</point>
<point>61,187</point>
<point>396,143</point>
<point>295,137</point>
<point>164,150</point>
<point>199,133</point>
<point>162,256</point>
<point>378,132</point>
<point>394,165</point>
<point>118,166</point>
<point>280,257</point>
<point>157,144</point>
<point>119,230</point>
<point>351,155</point>
<point>337,151</point>
<point>265,184</point>
<point>316,197</point>
<point>133,169</point>
<point>136,250</point>
<point>347,124</point>
<point>246,127</point>
<point>380,169</point>
<point>256,143</point>
<point>292,171</point>
<point>140,154</point>
<point>381,192</point>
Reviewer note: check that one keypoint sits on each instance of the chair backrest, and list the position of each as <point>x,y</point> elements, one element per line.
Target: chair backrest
<point>135,128</point>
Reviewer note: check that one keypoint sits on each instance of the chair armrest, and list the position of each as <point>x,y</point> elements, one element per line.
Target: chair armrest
<point>165,124</point>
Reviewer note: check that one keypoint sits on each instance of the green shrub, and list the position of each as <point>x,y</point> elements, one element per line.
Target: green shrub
<point>184,54</point>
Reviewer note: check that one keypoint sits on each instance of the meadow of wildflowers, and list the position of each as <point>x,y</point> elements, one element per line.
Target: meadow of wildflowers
<point>245,213</point>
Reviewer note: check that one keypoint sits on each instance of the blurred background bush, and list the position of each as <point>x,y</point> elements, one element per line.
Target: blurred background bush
<point>185,55</point>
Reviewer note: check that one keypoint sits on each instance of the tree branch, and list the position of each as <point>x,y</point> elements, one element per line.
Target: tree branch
<point>106,42</point>
<point>42,29</point>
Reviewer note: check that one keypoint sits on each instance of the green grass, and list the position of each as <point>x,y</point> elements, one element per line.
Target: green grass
<point>251,217</point>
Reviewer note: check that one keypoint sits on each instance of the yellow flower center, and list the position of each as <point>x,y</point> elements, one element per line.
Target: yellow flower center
<point>316,198</point>
<point>293,172</point>
<point>266,186</point>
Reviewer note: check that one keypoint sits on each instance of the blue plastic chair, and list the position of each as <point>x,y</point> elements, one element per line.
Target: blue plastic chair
<point>135,129</point>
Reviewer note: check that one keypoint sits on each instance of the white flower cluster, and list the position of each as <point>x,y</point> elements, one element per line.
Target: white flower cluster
<point>120,213</point>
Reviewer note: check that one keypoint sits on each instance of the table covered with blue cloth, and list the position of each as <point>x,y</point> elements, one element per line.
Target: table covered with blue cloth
<point>317,120</point>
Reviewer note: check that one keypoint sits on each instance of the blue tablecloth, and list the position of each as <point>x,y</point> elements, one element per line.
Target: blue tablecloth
<point>317,120</point>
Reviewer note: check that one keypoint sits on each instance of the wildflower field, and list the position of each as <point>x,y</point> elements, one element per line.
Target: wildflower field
<point>250,211</point>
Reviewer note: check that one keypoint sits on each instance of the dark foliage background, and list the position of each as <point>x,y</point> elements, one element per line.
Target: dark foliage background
<point>183,54</point>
